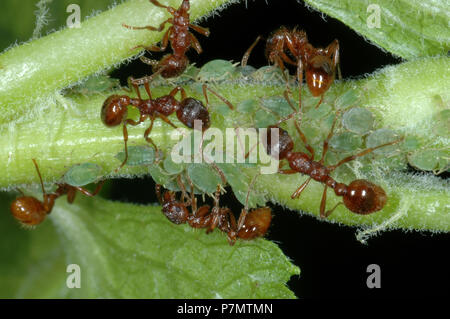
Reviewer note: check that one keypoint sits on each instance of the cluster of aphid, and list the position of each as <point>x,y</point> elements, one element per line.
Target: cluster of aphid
<point>283,46</point>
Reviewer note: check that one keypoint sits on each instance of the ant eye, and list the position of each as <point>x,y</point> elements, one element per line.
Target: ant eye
<point>114,110</point>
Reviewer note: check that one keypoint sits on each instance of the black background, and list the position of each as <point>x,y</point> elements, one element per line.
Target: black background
<point>333,264</point>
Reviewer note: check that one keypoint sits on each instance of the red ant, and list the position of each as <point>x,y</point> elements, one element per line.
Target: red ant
<point>319,64</point>
<point>181,40</point>
<point>30,211</point>
<point>115,110</point>
<point>360,196</point>
<point>251,224</point>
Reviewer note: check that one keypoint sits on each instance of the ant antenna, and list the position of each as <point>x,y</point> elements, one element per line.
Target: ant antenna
<point>246,55</point>
<point>40,177</point>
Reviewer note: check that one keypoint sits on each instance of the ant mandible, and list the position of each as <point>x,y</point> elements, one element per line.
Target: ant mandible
<point>318,64</point>
<point>251,224</point>
<point>181,40</point>
<point>188,110</point>
<point>30,211</point>
<point>360,196</point>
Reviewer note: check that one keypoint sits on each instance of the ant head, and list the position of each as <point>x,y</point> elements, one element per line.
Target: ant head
<point>256,223</point>
<point>176,212</point>
<point>28,210</point>
<point>319,74</point>
<point>185,6</point>
<point>191,110</point>
<point>363,197</point>
<point>171,65</point>
<point>115,110</point>
<point>281,145</point>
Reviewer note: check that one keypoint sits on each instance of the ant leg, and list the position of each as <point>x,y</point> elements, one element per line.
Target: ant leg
<point>158,193</point>
<point>71,193</point>
<point>300,83</point>
<point>299,190</point>
<point>176,90</point>
<point>165,119</point>
<point>156,3</point>
<point>199,29</point>
<point>149,27</point>
<point>246,55</point>
<point>183,191</point>
<point>224,100</point>
<point>146,79</point>
<point>131,83</point>
<point>147,133</point>
<point>320,101</point>
<point>327,140</point>
<point>333,50</point>
<point>125,137</point>
<point>323,202</point>
<point>366,151</point>
<point>147,89</point>
<point>244,212</point>
<point>155,48</point>
<point>89,193</point>
<point>148,61</point>
<point>328,213</point>
<point>195,44</point>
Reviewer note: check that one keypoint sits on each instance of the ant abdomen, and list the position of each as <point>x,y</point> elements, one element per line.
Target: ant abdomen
<point>115,110</point>
<point>363,197</point>
<point>256,223</point>
<point>28,210</point>
<point>171,65</point>
<point>319,75</point>
<point>190,110</point>
<point>282,145</point>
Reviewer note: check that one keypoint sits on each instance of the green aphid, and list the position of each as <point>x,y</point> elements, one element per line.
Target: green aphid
<point>138,155</point>
<point>441,123</point>
<point>247,106</point>
<point>96,84</point>
<point>268,73</point>
<point>382,136</point>
<point>358,120</point>
<point>161,177</point>
<point>245,70</point>
<point>216,70</point>
<point>430,160</point>
<point>171,167</point>
<point>411,143</point>
<point>346,141</point>
<point>347,99</point>
<point>204,177</point>
<point>240,183</point>
<point>323,110</point>
<point>264,118</point>
<point>83,174</point>
<point>278,105</point>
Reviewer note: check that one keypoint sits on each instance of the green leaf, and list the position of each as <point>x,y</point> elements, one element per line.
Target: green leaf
<point>131,251</point>
<point>407,28</point>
